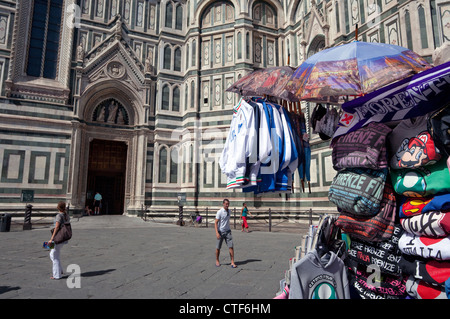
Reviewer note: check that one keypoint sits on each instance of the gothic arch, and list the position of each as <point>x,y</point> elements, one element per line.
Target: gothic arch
<point>316,45</point>
<point>292,11</point>
<point>275,5</point>
<point>96,94</point>
<point>206,4</point>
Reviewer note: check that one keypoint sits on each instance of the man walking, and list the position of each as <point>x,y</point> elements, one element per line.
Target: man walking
<point>223,231</point>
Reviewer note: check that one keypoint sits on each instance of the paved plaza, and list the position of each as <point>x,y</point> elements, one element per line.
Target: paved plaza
<point>127,257</point>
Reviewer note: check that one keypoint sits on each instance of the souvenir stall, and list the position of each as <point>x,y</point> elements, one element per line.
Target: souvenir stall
<point>390,140</point>
<point>392,191</point>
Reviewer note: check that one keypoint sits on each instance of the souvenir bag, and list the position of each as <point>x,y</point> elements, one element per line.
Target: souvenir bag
<point>439,128</point>
<point>377,228</point>
<point>317,114</point>
<point>358,191</point>
<point>364,147</point>
<point>324,121</point>
<point>64,233</point>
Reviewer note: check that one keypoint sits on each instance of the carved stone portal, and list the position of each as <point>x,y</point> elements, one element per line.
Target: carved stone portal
<point>112,112</point>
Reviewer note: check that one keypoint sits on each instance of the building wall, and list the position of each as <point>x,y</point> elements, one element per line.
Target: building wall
<point>168,64</point>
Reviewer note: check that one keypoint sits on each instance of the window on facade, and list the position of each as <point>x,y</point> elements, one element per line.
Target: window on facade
<point>179,18</point>
<point>183,166</point>
<point>187,56</point>
<point>186,91</point>
<point>191,160</point>
<point>177,62</point>
<point>162,165</point>
<point>44,38</point>
<point>192,103</point>
<point>165,98</point>
<point>423,28</point>
<point>194,46</point>
<point>247,46</point>
<point>408,30</point>
<point>174,167</point>
<point>239,43</point>
<point>169,12</point>
<point>338,19</point>
<point>167,57</point>
<point>176,99</point>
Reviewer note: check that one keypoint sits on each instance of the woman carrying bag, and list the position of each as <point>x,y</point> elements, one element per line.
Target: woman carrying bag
<point>62,220</point>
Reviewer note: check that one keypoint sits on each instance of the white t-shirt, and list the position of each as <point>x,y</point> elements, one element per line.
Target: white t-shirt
<point>224,220</point>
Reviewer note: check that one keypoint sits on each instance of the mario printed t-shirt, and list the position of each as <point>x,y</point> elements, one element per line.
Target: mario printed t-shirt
<point>411,146</point>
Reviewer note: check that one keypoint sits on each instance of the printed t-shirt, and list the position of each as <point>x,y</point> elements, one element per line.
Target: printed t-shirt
<point>432,271</point>
<point>433,224</point>
<point>425,247</point>
<point>416,206</point>
<point>411,146</point>
<point>421,182</point>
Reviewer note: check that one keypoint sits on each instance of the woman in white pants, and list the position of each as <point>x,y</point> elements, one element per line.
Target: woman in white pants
<point>55,252</point>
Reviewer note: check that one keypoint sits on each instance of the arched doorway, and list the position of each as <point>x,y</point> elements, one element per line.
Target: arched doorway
<point>106,175</point>
<point>317,44</point>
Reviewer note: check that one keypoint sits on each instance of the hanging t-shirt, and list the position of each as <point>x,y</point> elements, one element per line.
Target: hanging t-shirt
<point>423,181</point>
<point>425,247</point>
<point>412,206</point>
<point>420,289</point>
<point>410,145</point>
<point>384,254</point>
<point>319,277</point>
<point>432,271</point>
<point>433,224</point>
<point>240,145</point>
<point>375,285</point>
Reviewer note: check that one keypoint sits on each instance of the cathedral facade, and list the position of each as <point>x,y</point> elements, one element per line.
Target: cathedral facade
<point>128,98</point>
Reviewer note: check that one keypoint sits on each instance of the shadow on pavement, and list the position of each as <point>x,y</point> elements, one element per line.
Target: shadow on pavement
<point>96,273</point>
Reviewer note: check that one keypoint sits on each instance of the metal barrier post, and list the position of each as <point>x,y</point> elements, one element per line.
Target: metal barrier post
<point>206,217</point>
<point>310,216</point>
<point>27,221</point>
<point>270,220</point>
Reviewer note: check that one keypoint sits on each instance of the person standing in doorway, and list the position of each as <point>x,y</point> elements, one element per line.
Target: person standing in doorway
<point>223,232</point>
<point>244,214</point>
<point>97,203</point>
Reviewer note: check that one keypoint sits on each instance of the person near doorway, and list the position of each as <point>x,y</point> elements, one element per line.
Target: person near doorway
<point>88,211</point>
<point>223,232</point>
<point>97,203</point>
<point>55,253</point>
<point>244,214</point>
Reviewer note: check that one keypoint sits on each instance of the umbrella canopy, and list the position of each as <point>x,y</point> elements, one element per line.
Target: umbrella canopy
<point>268,81</point>
<point>352,69</point>
<point>411,97</point>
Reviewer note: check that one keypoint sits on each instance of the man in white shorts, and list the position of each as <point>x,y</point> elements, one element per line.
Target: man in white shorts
<point>223,232</point>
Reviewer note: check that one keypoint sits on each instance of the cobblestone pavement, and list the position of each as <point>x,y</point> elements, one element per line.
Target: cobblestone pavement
<point>126,257</point>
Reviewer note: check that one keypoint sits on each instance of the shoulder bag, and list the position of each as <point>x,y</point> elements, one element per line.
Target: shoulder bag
<point>64,233</point>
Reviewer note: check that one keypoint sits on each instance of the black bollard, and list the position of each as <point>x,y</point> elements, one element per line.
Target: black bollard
<point>27,220</point>
<point>180,221</point>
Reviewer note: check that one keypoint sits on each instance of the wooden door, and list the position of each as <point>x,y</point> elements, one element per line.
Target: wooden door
<point>106,175</point>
